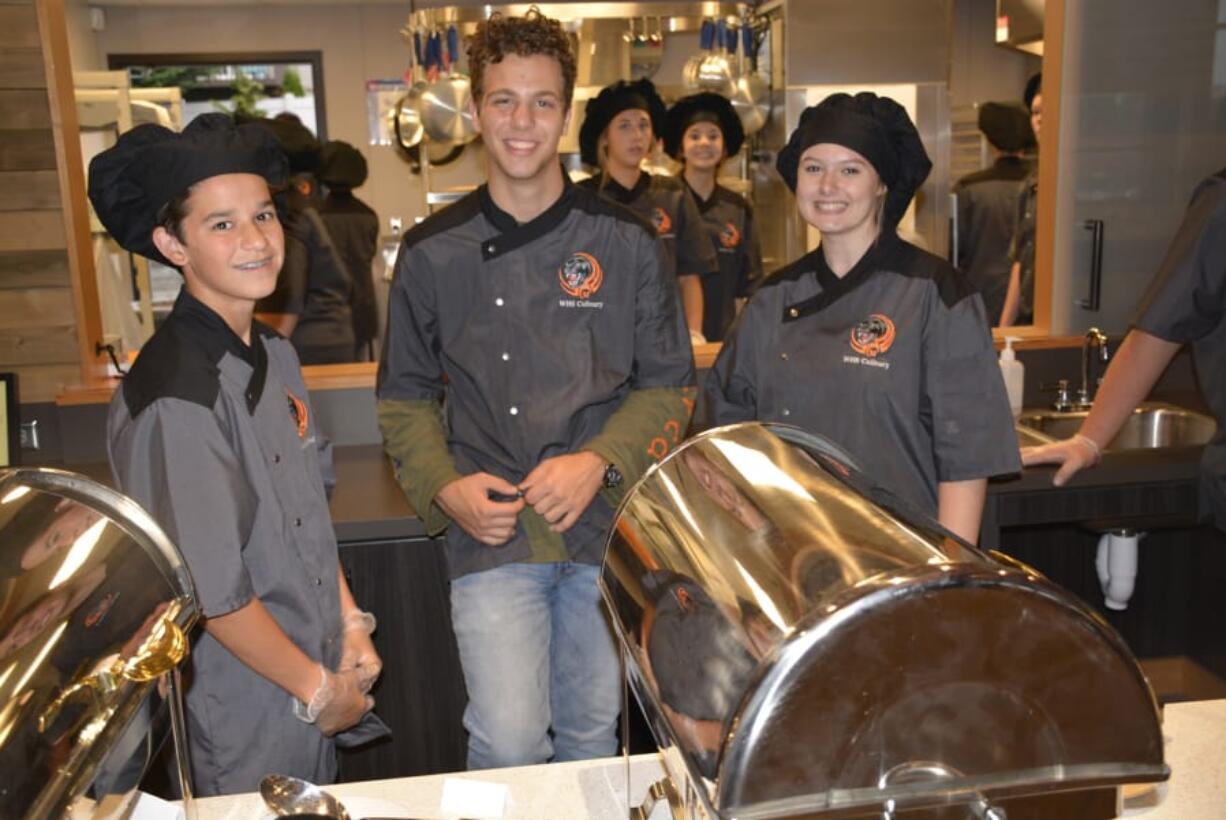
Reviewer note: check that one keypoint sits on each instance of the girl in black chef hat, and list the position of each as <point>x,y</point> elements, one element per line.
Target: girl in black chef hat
<point>620,128</point>
<point>868,340</point>
<point>701,131</point>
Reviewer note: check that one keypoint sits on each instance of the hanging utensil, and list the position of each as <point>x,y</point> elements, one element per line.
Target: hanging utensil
<point>445,110</point>
<point>689,72</point>
<point>715,71</point>
<point>406,120</point>
<point>751,93</point>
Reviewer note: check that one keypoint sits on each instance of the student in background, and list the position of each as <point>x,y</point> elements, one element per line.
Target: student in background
<point>701,131</point>
<point>1019,299</point>
<point>987,204</point>
<point>620,129</point>
<point>354,229</point>
<point>310,304</point>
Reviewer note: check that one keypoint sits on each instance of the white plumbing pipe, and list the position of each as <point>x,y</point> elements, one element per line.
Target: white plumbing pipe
<point>1116,563</point>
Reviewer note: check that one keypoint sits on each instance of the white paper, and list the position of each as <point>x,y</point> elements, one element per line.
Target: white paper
<point>473,798</point>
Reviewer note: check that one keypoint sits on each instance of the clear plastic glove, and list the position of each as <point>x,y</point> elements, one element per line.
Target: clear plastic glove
<point>337,704</point>
<point>358,651</point>
<point>696,338</point>
<point>1072,454</point>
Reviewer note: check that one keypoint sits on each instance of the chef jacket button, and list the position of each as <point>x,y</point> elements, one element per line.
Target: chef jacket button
<point>783,356</point>
<point>297,522</point>
<point>506,357</point>
<point>793,312</point>
<point>319,582</point>
<point>276,458</point>
<point>498,301</point>
<point>787,412</point>
<point>514,411</point>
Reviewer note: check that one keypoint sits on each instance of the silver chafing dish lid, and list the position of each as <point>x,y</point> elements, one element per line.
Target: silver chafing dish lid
<point>94,605</point>
<point>803,643</point>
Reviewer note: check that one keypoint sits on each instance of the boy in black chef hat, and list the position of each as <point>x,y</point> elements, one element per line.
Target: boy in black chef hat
<point>701,131</point>
<point>620,127</point>
<point>211,431</point>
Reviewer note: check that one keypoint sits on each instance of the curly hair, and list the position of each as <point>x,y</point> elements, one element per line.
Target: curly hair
<point>526,36</point>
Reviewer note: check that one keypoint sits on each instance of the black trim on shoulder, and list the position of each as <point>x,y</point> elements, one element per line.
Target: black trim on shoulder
<point>587,200</point>
<point>617,192</point>
<point>890,254</point>
<point>182,359</point>
<point>513,235</point>
<point>454,215</point>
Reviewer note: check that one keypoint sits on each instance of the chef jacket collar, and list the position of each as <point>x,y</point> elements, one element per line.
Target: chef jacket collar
<point>218,338</point>
<point>511,233</point>
<point>834,287</point>
<point>704,205</point>
<point>620,193</point>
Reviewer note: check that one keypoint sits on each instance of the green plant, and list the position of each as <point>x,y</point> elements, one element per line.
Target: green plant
<point>247,93</point>
<point>291,81</point>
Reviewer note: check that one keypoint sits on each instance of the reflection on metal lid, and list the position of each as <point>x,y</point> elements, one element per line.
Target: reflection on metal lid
<point>94,605</point>
<point>805,644</point>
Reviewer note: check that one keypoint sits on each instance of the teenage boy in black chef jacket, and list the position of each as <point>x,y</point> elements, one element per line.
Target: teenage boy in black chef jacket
<point>548,318</point>
<point>212,432</point>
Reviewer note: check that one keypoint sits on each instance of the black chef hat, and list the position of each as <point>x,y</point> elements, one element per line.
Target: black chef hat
<point>341,166</point>
<point>1006,125</point>
<point>151,165</point>
<point>1034,87</point>
<point>611,101</point>
<point>703,107</point>
<point>301,147</point>
<point>875,127</point>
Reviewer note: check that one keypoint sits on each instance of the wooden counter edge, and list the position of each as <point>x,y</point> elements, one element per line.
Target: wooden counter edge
<point>359,375</point>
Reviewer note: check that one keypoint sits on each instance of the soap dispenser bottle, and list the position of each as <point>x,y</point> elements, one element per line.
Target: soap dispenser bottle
<point>1014,374</point>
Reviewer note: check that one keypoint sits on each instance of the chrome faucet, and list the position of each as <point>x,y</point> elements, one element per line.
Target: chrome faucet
<point>1093,338</point>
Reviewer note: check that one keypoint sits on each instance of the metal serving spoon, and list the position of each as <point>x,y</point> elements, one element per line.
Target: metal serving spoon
<point>288,796</point>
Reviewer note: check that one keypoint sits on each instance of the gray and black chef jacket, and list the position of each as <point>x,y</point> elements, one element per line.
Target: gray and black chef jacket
<point>314,285</point>
<point>354,230</point>
<point>543,332</point>
<point>216,440</point>
<point>1186,303</point>
<point>1021,249</point>
<point>987,215</point>
<point>894,362</point>
<point>727,220</point>
<point>665,202</point>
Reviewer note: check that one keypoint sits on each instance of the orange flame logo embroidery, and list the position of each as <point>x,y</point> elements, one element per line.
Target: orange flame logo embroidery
<point>298,412</point>
<point>580,275</point>
<point>729,236</point>
<point>873,336</point>
<point>660,218</point>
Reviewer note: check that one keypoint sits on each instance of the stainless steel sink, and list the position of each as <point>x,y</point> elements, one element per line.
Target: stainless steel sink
<point>1150,426</point>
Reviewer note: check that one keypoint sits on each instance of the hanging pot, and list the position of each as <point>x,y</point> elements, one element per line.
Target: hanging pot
<point>445,111</point>
<point>407,119</point>
<point>750,93</point>
<point>715,71</point>
<point>689,72</point>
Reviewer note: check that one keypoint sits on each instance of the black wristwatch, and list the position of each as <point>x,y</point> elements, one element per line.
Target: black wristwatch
<point>612,477</point>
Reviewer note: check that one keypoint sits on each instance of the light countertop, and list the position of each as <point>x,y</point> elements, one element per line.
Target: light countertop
<point>1195,734</point>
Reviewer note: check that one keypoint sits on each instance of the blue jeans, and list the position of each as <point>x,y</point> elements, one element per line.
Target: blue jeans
<point>537,652</point>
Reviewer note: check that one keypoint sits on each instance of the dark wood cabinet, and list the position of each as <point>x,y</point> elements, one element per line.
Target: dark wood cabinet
<point>421,692</point>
